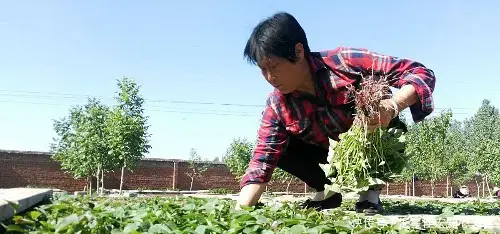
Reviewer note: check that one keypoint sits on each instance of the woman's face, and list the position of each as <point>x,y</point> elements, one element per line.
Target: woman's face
<point>284,75</point>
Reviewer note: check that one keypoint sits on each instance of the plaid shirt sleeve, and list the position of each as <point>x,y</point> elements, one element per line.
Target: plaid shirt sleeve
<point>271,142</point>
<point>399,72</point>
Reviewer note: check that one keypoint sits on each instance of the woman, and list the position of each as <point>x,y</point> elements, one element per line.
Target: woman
<point>310,105</point>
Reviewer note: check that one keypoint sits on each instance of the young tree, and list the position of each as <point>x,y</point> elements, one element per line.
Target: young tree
<point>456,152</point>
<point>127,127</point>
<point>427,144</point>
<point>237,156</point>
<point>196,166</point>
<point>81,143</point>
<point>96,144</point>
<point>483,140</point>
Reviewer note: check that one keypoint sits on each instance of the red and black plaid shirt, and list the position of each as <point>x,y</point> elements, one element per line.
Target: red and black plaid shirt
<point>315,119</point>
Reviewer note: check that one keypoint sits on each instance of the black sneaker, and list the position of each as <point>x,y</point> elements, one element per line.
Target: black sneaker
<point>333,201</point>
<point>369,208</point>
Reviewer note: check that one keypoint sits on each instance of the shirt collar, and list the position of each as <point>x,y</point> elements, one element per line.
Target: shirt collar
<point>316,64</point>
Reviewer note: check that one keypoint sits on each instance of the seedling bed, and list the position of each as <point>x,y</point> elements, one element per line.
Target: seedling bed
<point>81,214</point>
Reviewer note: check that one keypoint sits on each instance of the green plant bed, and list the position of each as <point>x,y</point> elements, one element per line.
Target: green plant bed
<point>221,191</point>
<point>192,215</point>
<point>433,207</point>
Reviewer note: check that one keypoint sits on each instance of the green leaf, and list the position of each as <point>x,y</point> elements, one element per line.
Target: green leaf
<point>298,229</point>
<point>130,228</point>
<point>201,229</point>
<point>34,215</point>
<point>189,207</point>
<point>159,228</point>
<point>65,222</point>
<point>15,228</point>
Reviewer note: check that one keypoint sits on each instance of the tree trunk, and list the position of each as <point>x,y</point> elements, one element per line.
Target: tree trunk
<point>387,189</point>
<point>121,179</point>
<point>488,186</point>
<point>305,188</point>
<point>173,176</point>
<point>102,182</point>
<point>477,185</point>
<point>406,188</point>
<point>191,186</point>
<point>447,185</point>
<point>483,186</point>
<point>413,184</point>
<point>288,186</point>
<point>97,178</point>
<point>432,188</point>
<point>90,186</point>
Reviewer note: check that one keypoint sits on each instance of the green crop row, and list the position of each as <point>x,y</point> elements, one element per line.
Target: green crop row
<point>196,215</point>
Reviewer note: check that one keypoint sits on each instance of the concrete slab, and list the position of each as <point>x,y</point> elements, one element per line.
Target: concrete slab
<point>24,198</point>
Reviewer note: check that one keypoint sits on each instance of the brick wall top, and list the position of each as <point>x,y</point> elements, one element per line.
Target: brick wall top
<point>4,153</point>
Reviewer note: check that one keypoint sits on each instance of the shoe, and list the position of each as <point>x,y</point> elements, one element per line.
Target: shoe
<point>259,205</point>
<point>369,208</point>
<point>332,202</point>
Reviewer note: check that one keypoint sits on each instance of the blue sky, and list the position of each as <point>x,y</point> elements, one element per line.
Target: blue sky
<point>53,53</point>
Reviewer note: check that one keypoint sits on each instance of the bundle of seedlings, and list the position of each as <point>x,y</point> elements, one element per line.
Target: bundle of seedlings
<point>363,157</point>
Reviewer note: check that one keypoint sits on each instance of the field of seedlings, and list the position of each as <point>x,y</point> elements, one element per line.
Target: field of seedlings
<point>70,214</point>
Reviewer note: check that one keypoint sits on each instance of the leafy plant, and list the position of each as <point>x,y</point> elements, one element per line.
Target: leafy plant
<point>362,158</point>
<point>197,215</point>
<point>238,156</point>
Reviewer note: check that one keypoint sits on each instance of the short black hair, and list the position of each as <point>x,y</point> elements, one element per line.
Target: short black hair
<point>276,36</point>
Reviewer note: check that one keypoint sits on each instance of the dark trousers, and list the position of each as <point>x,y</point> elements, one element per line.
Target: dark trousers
<point>302,160</point>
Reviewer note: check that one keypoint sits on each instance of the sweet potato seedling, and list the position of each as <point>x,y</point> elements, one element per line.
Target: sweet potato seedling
<point>363,158</point>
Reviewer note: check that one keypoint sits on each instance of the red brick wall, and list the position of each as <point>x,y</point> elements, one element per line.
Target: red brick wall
<point>20,169</point>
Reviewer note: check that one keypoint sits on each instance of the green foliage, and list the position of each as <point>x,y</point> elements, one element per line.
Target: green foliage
<point>407,207</point>
<point>128,136</point>
<point>441,146</point>
<point>436,148</point>
<point>197,215</point>
<point>94,139</point>
<point>361,159</point>
<point>80,145</point>
<point>238,155</point>
<point>428,146</point>
<point>456,150</point>
<point>221,191</point>
<point>127,126</point>
<point>483,134</point>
